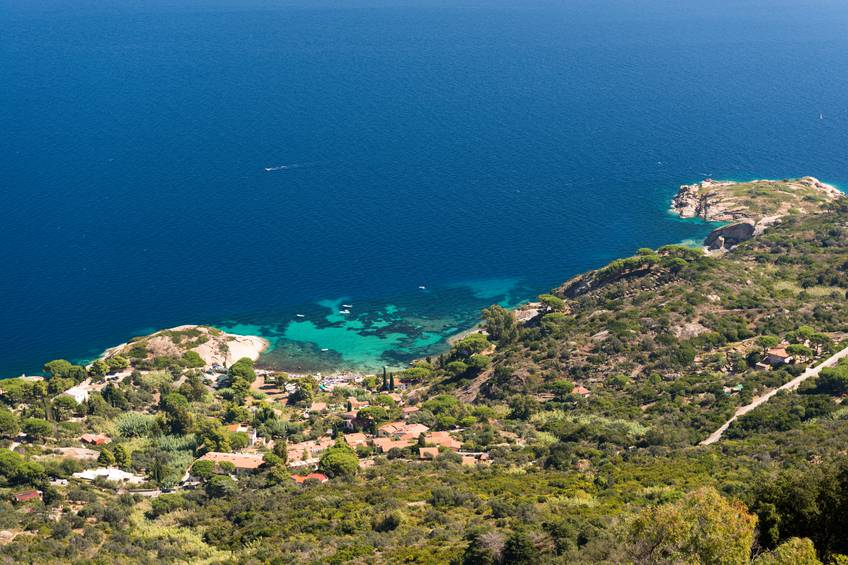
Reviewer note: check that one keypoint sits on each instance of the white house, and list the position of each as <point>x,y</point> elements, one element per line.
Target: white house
<point>78,393</point>
<point>110,474</point>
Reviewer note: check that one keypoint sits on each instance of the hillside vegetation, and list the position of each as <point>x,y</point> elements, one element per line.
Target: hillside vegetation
<point>565,432</point>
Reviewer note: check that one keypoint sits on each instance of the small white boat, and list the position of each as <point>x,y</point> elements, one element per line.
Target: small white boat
<point>347,305</point>
<point>422,287</point>
<point>300,316</point>
<point>344,311</point>
<point>324,349</point>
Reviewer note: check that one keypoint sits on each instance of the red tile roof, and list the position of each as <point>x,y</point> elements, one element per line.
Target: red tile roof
<point>27,495</point>
<point>469,460</point>
<point>443,439</point>
<point>320,477</point>
<point>403,429</point>
<point>385,444</point>
<point>95,439</point>
<point>428,452</point>
<point>357,439</point>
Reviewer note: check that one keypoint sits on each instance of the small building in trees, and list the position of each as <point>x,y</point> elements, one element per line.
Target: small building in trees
<point>112,474</point>
<point>252,436</point>
<point>27,495</point>
<point>78,393</point>
<point>442,439</point>
<point>320,477</point>
<point>307,452</point>
<point>354,404</point>
<point>95,439</point>
<point>777,356</point>
<point>385,444</point>
<point>350,419</point>
<point>403,430</point>
<point>428,452</point>
<point>356,439</point>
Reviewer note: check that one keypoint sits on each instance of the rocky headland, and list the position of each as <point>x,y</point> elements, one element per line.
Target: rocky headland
<point>215,347</point>
<point>745,208</point>
<point>748,208</point>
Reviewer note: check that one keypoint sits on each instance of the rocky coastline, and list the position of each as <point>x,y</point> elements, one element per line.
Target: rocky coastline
<point>212,345</point>
<point>748,208</point>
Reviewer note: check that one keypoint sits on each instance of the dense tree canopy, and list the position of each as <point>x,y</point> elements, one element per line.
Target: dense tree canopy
<point>703,525</point>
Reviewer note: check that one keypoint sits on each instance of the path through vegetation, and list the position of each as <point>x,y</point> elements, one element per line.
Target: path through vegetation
<point>791,385</point>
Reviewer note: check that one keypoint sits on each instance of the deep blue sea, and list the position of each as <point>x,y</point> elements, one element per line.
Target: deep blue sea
<point>240,162</point>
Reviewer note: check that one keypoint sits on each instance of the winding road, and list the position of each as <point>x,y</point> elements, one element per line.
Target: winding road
<point>791,385</point>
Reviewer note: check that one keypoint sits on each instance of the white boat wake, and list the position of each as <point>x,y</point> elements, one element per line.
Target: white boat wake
<point>288,167</point>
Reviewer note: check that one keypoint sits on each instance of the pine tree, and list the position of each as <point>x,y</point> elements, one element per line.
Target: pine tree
<point>106,458</point>
<point>281,450</point>
<point>385,381</point>
<point>391,381</point>
<point>122,457</point>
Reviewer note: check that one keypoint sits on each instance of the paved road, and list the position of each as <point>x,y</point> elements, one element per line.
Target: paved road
<point>791,385</point>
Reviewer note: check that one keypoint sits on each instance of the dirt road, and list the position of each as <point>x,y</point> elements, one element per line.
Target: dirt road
<point>791,385</point>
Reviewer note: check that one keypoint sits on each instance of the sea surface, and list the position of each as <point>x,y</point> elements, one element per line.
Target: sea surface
<point>240,162</point>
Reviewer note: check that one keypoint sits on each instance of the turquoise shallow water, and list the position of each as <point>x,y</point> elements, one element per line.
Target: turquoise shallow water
<point>236,162</point>
<point>368,335</point>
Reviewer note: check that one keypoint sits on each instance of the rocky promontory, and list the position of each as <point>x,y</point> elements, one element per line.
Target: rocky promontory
<point>749,207</point>
<point>212,345</point>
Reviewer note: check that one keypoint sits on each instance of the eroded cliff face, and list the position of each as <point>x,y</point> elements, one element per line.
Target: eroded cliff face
<point>730,235</point>
<point>749,207</point>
